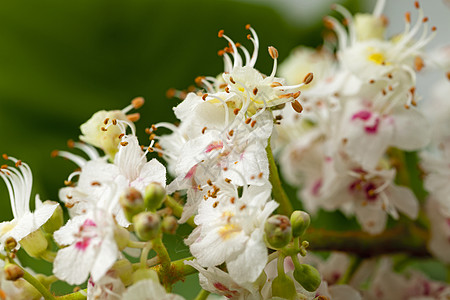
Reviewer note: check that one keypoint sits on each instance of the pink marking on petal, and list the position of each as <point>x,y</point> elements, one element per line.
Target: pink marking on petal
<point>83,244</point>
<point>316,187</point>
<point>214,146</point>
<point>362,115</point>
<point>374,128</point>
<point>89,223</point>
<point>191,172</point>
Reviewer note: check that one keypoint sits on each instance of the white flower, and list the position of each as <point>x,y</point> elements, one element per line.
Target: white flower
<point>91,249</point>
<point>216,281</point>
<point>230,229</point>
<point>19,181</point>
<point>109,287</point>
<point>149,290</point>
<point>101,183</point>
<point>101,130</point>
<point>388,285</point>
<point>439,242</point>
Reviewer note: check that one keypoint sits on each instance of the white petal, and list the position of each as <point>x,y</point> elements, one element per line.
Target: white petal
<point>404,200</point>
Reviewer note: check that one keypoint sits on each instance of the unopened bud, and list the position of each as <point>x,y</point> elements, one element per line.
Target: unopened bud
<point>13,272</point>
<point>10,244</point>
<point>121,236</point>
<point>56,220</point>
<point>35,243</point>
<point>300,221</point>
<point>169,225</point>
<point>124,269</point>
<point>283,287</point>
<point>132,203</point>
<point>142,274</point>
<point>307,276</point>
<point>154,196</point>
<point>278,231</point>
<point>147,225</point>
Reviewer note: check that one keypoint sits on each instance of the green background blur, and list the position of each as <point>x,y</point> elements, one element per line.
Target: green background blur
<point>61,61</point>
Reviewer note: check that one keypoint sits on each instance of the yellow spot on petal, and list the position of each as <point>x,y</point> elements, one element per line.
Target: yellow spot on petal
<point>377,58</point>
<point>228,231</point>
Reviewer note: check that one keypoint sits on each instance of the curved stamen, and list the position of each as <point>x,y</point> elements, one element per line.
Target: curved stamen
<point>339,30</point>
<point>379,7</point>
<point>78,160</point>
<point>246,54</point>
<point>237,58</point>
<point>167,125</point>
<point>225,107</point>
<point>348,16</point>
<point>254,38</point>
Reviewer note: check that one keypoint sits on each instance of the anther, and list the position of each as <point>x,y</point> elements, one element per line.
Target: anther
<point>249,36</point>
<point>448,75</point>
<point>247,26</point>
<point>221,52</point>
<point>209,182</point>
<point>242,207</point>
<point>433,28</point>
<point>275,84</point>
<point>418,63</point>
<point>114,121</point>
<point>106,121</point>
<point>67,182</point>
<point>5,156</point>
<point>123,144</point>
<point>273,52</point>
<point>18,163</point>
<point>199,79</point>
<point>69,205</point>
<point>215,204</point>
<point>134,117</point>
<point>221,32</point>
<point>227,89</point>
<point>296,95</point>
<point>4,167</point>
<point>308,78</point>
<point>95,183</point>
<point>236,111</point>
<point>383,91</point>
<point>424,20</point>
<point>416,4</point>
<point>227,180</point>
<point>121,136</point>
<point>389,76</point>
<point>137,102</point>
<point>253,123</point>
<point>70,143</point>
<point>232,80</point>
<point>260,175</point>
<point>390,88</point>
<point>255,91</point>
<point>232,200</point>
<point>154,127</point>
<point>170,93</point>
<point>103,129</point>
<point>204,96</point>
<point>297,106</point>
<point>248,120</point>
<point>204,129</point>
<point>54,153</point>
<point>408,17</point>
<point>371,81</point>
<point>231,132</point>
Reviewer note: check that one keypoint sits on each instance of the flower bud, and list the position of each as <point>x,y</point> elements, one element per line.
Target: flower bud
<point>27,291</point>
<point>142,274</point>
<point>300,221</point>
<point>283,287</point>
<point>154,196</point>
<point>169,225</point>
<point>132,203</point>
<point>278,231</point>
<point>13,272</point>
<point>56,220</point>
<point>124,269</point>
<point>10,244</point>
<point>121,236</point>
<point>307,276</point>
<point>147,225</point>
<point>35,243</point>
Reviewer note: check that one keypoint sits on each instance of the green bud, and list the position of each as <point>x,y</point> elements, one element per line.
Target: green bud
<point>56,220</point>
<point>124,269</point>
<point>278,231</point>
<point>169,225</point>
<point>13,272</point>
<point>45,280</point>
<point>307,276</point>
<point>35,243</point>
<point>300,221</point>
<point>121,236</point>
<point>147,225</point>
<point>154,196</point>
<point>132,203</point>
<point>283,287</point>
<point>142,274</point>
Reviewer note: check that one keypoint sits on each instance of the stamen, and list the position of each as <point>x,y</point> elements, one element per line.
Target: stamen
<point>308,78</point>
<point>297,106</point>
<point>134,117</point>
<point>274,54</point>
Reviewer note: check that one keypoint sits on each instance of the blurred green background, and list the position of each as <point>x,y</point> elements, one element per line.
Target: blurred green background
<point>61,61</point>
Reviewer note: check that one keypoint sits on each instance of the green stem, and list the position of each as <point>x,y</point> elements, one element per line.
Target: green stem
<point>164,258</point>
<point>355,262</point>
<point>178,271</point>
<point>277,189</point>
<point>177,210</point>
<point>404,238</point>
<point>80,295</point>
<point>37,285</point>
<point>202,295</point>
<point>135,244</point>
<point>144,254</point>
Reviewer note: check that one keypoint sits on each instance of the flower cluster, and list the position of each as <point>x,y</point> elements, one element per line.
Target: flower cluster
<point>341,136</point>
